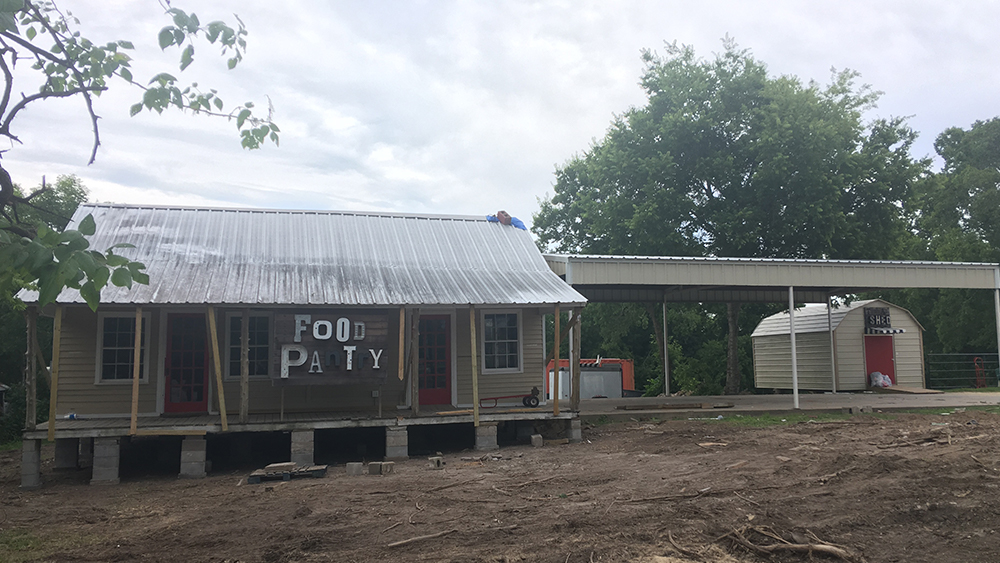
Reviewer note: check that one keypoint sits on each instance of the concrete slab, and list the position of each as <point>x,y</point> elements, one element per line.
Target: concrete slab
<point>592,409</point>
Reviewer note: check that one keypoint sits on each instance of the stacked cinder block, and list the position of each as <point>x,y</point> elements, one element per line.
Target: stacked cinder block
<point>302,447</point>
<point>396,443</point>
<point>486,436</point>
<point>575,433</point>
<point>193,457</point>
<point>107,454</point>
<point>31,464</point>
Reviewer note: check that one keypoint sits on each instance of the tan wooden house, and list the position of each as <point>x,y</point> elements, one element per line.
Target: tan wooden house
<point>293,321</point>
<point>838,352</point>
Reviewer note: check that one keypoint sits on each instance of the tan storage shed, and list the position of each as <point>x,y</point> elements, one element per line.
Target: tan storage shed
<point>866,336</point>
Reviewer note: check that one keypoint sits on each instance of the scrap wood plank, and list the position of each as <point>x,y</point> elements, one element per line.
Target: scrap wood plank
<point>286,472</point>
<point>497,411</point>
<point>668,406</point>
<point>907,390</point>
<point>168,432</point>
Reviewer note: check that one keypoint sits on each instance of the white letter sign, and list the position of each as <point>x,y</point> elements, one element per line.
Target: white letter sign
<point>349,352</point>
<point>343,329</point>
<point>301,323</point>
<point>286,357</point>
<point>322,330</point>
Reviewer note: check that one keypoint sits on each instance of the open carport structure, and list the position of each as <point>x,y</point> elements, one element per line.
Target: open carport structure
<point>666,279</point>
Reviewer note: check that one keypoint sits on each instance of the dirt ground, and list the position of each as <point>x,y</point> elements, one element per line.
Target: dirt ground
<point>876,488</point>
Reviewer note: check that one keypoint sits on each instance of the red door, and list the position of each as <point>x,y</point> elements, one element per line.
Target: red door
<point>186,365</point>
<point>878,356</point>
<point>434,354</point>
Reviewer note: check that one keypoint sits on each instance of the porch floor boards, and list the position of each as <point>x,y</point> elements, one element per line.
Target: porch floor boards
<point>83,426</point>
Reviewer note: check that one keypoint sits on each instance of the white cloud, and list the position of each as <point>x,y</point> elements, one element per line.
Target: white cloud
<point>464,106</point>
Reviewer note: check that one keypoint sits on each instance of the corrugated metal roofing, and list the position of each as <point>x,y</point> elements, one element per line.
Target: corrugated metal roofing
<point>276,257</point>
<point>811,318</point>
<point>708,279</point>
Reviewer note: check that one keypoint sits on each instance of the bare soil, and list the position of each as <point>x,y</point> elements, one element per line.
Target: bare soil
<point>906,487</point>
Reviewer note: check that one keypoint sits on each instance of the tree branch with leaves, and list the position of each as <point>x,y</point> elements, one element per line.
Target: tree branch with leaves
<point>73,66</point>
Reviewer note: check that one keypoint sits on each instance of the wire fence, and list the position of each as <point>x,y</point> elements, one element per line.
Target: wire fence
<point>954,371</point>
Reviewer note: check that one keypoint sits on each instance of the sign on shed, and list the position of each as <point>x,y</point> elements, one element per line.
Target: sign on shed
<point>331,347</point>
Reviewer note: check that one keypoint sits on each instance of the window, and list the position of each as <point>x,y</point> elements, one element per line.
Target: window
<point>260,345</point>
<point>116,346</point>
<point>501,343</point>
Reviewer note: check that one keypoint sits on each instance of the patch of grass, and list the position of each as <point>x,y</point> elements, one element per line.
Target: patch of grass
<point>12,445</point>
<point>601,420</point>
<point>766,420</point>
<point>991,409</point>
<point>17,546</point>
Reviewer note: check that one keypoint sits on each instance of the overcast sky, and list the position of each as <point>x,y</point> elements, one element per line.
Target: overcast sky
<point>467,107</point>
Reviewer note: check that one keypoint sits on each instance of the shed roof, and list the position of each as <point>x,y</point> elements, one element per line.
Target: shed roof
<point>277,257</point>
<point>812,318</point>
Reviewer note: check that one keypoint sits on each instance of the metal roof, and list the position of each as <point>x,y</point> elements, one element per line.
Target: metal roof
<point>701,279</point>
<point>812,318</point>
<point>278,257</point>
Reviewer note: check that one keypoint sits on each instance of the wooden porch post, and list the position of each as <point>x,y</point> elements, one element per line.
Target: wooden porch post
<point>30,370</point>
<point>574,362</point>
<point>415,362</point>
<point>136,371</point>
<point>217,362</point>
<point>666,351</point>
<point>475,365</point>
<point>555,378</point>
<point>54,387</point>
<point>245,367</point>
<point>402,341</point>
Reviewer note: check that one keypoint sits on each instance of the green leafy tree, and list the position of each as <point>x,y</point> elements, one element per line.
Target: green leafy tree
<point>71,65</point>
<point>955,215</point>
<point>52,207</point>
<point>727,160</point>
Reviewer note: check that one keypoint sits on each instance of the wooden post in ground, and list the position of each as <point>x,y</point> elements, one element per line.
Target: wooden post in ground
<point>31,370</point>
<point>574,362</point>
<point>54,387</point>
<point>555,378</point>
<point>245,367</point>
<point>136,371</point>
<point>415,362</point>
<point>475,366</point>
<point>402,341</point>
<point>213,334</point>
<point>565,332</point>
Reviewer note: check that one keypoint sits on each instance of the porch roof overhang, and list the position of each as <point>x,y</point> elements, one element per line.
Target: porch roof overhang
<point>748,280</point>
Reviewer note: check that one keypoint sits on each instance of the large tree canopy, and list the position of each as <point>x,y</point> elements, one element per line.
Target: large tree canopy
<point>69,65</point>
<point>726,159</point>
<point>956,217</point>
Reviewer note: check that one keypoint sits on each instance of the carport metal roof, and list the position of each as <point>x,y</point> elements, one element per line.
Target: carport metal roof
<point>691,279</point>
<point>662,279</point>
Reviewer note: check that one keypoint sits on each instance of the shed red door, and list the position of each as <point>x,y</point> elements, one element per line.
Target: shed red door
<point>187,364</point>
<point>878,356</point>
<point>434,355</point>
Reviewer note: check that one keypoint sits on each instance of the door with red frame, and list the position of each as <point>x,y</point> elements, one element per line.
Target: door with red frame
<point>879,357</point>
<point>434,355</point>
<point>186,365</point>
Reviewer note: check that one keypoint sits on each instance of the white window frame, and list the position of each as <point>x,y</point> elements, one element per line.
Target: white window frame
<point>99,356</point>
<point>482,341</point>
<point>270,338</point>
